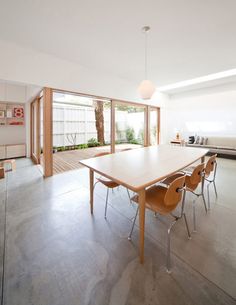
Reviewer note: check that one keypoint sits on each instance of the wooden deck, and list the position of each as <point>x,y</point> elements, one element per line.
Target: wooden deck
<point>69,160</point>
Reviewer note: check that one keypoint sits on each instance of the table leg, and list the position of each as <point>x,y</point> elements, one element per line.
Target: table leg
<point>91,181</point>
<point>141,195</point>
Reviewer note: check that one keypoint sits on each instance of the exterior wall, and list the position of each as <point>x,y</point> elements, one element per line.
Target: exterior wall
<point>80,120</point>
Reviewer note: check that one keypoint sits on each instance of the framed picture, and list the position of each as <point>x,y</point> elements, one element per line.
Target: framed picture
<point>2,114</point>
<point>19,112</point>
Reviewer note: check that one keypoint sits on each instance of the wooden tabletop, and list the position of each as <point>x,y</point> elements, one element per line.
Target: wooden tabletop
<point>139,168</point>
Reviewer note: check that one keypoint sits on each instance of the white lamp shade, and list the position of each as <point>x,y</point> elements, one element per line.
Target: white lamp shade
<point>146,89</point>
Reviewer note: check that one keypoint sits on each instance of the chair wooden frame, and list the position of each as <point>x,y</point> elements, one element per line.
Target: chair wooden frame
<point>171,200</point>
<point>192,181</point>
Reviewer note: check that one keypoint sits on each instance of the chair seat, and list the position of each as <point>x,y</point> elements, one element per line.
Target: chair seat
<point>108,183</point>
<point>155,199</point>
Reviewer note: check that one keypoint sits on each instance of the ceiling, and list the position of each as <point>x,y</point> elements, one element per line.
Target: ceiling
<point>188,38</point>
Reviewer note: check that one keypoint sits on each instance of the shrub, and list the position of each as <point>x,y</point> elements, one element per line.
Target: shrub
<point>60,148</point>
<point>141,136</point>
<point>93,142</point>
<point>134,141</point>
<point>81,146</point>
<point>130,136</point>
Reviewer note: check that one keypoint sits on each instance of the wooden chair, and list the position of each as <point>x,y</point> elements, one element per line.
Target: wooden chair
<point>107,182</point>
<point>210,169</point>
<point>163,199</point>
<point>192,181</point>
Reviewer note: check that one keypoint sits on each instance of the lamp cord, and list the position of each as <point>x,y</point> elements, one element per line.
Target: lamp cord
<point>145,56</point>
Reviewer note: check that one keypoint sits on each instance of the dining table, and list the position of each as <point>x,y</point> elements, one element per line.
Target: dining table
<point>139,168</point>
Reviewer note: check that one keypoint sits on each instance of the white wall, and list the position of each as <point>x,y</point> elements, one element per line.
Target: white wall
<point>210,111</point>
<point>25,65</point>
<point>16,93</point>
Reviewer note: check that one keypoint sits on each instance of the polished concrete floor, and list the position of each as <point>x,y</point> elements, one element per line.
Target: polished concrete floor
<point>53,252</point>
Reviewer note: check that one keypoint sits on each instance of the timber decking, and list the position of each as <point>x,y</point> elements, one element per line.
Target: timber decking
<point>69,160</point>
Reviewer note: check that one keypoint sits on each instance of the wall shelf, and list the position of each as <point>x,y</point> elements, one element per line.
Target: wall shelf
<point>12,114</point>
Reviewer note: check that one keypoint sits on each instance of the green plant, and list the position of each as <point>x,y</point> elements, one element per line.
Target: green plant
<point>93,142</point>
<point>141,136</point>
<point>81,146</point>
<point>118,133</point>
<point>134,141</point>
<point>130,136</point>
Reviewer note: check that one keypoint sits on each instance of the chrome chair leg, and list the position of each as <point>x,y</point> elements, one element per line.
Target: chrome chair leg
<point>135,217</point>
<point>208,196</point>
<point>187,227</point>
<point>183,202</point>
<point>214,184</point>
<point>168,263</point>
<point>105,215</point>
<point>204,201</point>
<point>194,216</point>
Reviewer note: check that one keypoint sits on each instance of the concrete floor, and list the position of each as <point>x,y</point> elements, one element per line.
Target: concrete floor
<point>53,252</point>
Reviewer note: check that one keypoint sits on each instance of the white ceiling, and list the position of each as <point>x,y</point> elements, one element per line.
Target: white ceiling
<point>188,38</point>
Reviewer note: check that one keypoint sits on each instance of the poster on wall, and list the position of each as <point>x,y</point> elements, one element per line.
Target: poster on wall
<point>19,112</point>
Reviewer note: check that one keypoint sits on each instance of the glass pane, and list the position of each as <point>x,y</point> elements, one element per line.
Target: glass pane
<point>154,126</point>
<point>81,129</point>
<point>129,126</point>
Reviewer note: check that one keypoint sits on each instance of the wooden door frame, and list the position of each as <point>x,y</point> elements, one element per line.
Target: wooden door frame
<point>47,132</point>
<point>126,103</point>
<point>157,109</point>
<point>35,103</point>
<point>46,95</point>
<point>113,121</point>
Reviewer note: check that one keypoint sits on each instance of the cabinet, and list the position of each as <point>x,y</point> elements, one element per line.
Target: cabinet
<point>2,152</point>
<point>12,151</point>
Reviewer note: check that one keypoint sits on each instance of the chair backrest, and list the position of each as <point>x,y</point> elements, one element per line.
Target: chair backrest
<point>196,176</point>
<point>174,192</point>
<point>102,154</point>
<point>210,166</point>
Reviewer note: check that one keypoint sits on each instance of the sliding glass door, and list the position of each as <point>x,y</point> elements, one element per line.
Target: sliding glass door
<point>154,126</point>
<point>67,127</point>
<point>81,129</point>
<point>129,126</point>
